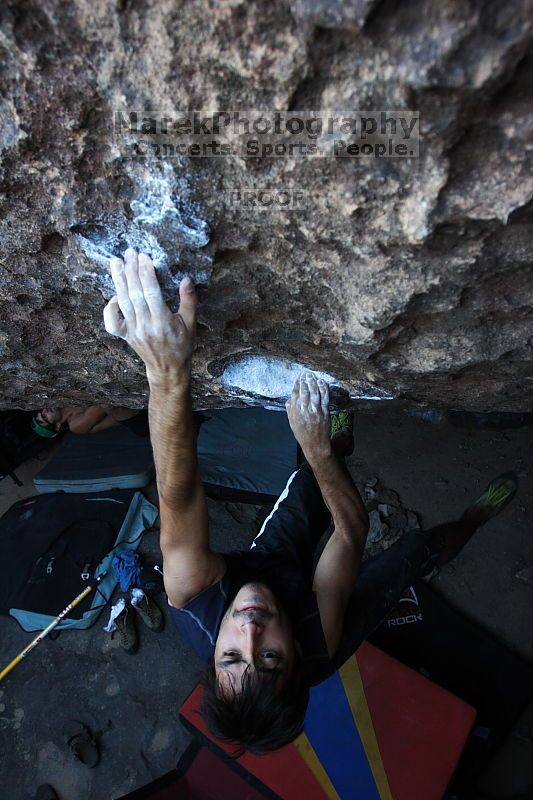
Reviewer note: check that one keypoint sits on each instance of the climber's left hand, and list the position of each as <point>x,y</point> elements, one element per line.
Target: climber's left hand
<point>138,314</point>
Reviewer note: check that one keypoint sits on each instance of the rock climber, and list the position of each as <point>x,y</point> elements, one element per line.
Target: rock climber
<point>266,622</point>
<point>51,420</point>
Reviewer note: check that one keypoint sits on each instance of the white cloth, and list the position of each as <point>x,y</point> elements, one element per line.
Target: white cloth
<point>137,596</point>
<point>116,610</point>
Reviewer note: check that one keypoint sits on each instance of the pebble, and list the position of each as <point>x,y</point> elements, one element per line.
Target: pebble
<point>112,688</point>
<point>377,528</point>
<point>162,741</point>
<point>412,520</point>
<point>18,717</point>
<point>525,575</point>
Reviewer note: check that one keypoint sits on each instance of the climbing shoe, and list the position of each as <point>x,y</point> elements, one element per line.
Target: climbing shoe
<point>146,608</point>
<point>494,499</point>
<point>341,433</point>
<point>446,541</point>
<point>125,630</point>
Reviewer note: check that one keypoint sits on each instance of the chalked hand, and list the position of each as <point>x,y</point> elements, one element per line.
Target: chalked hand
<point>308,413</point>
<point>138,314</point>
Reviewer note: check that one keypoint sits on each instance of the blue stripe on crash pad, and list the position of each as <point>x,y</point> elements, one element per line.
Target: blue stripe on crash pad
<point>332,733</point>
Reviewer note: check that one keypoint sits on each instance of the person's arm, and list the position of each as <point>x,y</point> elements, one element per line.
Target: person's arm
<point>340,561</point>
<point>107,422</point>
<point>90,420</point>
<point>165,342</point>
<point>336,571</point>
<point>189,565</point>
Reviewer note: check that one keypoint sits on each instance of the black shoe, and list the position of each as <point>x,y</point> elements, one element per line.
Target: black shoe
<point>149,611</point>
<point>126,630</point>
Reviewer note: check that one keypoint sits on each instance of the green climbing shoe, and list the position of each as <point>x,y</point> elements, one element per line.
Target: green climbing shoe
<point>495,498</point>
<point>341,433</point>
<point>342,421</point>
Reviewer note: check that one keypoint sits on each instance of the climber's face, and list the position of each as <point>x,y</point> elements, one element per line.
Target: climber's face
<point>50,417</point>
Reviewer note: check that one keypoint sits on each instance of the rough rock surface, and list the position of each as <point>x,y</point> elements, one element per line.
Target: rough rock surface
<point>408,277</point>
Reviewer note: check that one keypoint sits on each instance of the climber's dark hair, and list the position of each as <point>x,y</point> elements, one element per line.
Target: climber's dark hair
<point>258,719</point>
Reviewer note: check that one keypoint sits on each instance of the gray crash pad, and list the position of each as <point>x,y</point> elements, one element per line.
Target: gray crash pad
<point>94,462</point>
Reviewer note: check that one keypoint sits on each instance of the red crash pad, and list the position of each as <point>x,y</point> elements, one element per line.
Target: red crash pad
<point>205,777</point>
<point>419,727</point>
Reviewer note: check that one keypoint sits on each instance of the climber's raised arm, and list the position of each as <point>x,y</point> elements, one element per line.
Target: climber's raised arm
<point>92,419</point>
<point>165,343</point>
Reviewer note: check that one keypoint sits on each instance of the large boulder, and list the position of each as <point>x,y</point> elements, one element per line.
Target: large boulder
<point>407,278</point>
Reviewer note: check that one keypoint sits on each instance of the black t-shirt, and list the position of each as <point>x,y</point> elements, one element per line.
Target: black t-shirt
<point>199,620</point>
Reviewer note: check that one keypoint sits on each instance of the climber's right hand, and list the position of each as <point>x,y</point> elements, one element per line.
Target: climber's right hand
<point>138,314</point>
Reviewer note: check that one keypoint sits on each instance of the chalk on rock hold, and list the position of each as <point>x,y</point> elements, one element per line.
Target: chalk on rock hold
<point>253,378</point>
<point>159,217</point>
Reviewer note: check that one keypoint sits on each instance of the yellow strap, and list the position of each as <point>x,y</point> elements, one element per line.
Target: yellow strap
<point>304,747</point>
<point>355,693</point>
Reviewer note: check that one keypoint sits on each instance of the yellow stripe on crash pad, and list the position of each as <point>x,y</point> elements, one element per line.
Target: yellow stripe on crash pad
<point>355,693</point>
<point>305,749</point>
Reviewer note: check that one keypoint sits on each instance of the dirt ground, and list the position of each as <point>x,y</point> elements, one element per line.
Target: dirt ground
<point>132,702</point>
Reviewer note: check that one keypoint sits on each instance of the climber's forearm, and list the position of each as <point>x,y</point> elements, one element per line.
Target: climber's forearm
<point>173,436</point>
<point>106,423</point>
<point>341,497</point>
<point>89,420</point>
